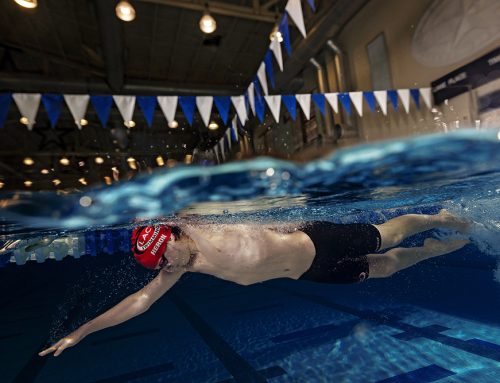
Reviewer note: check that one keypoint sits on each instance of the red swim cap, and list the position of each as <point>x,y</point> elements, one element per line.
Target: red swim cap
<point>149,244</point>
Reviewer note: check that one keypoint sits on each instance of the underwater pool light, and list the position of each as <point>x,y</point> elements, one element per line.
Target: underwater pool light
<point>27,3</point>
<point>28,183</point>
<point>28,161</point>
<point>125,11</point>
<point>64,161</point>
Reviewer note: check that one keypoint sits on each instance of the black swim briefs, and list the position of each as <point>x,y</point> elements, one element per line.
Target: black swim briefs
<point>341,251</point>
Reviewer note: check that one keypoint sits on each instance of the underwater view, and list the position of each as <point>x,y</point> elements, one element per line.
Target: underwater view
<point>250,191</point>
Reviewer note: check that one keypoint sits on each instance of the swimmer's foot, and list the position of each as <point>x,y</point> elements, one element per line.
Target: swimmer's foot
<point>433,247</point>
<point>451,221</point>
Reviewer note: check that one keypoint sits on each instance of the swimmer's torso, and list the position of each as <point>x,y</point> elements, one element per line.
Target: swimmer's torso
<point>248,254</point>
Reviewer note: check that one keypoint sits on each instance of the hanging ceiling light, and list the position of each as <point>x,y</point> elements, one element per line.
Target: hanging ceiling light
<point>129,124</point>
<point>213,126</point>
<point>28,161</point>
<point>56,181</point>
<point>159,161</point>
<point>108,180</point>
<point>99,160</point>
<point>276,34</point>
<point>2,184</point>
<point>64,161</point>
<point>27,3</point>
<point>207,22</point>
<point>28,183</point>
<point>131,163</point>
<point>83,181</point>
<point>84,122</point>
<point>44,171</point>
<point>24,120</point>
<point>173,124</point>
<point>125,11</point>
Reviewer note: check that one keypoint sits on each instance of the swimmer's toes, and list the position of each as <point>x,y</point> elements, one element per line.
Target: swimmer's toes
<point>454,222</point>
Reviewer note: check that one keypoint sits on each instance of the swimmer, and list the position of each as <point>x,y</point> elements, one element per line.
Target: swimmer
<point>246,254</point>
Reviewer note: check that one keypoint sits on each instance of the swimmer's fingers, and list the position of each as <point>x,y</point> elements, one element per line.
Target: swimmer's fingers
<point>58,347</point>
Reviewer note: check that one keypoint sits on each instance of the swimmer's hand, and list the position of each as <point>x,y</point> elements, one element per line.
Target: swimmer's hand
<point>68,341</point>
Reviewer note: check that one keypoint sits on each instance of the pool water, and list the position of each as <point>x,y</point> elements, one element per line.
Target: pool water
<point>437,321</point>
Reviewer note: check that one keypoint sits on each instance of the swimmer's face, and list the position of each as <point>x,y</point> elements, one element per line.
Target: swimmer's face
<point>178,254</point>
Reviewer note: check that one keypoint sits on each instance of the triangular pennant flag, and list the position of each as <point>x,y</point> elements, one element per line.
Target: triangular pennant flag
<point>415,94</point>
<point>52,104</point>
<point>228,135</point>
<point>148,105</point>
<point>404,94</point>
<point>261,74</point>
<point>381,97</point>
<point>285,33</point>
<point>333,100</point>
<point>223,103</point>
<point>393,97</point>
<point>304,101</point>
<point>204,104</point>
<point>28,104</point>
<point>247,103</point>
<point>345,100</point>
<point>126,106</point>
<point>370,100</point>
<point>259,101</point>
<point>294,9</point>
<point>274,103</point>
<point>188,104</point>
<point>102,106</point>
<point>239,105</point>
<point>234,128</point>
<point>357,100</point>
<point>319,100</point>
<point>268,60</point>
<point>426,96</point>
<point>291,105</point>
<point>77,105</point>
<point>5,100</point>
<point>168,105</point>
<point>276,48</point>
<point>312,5</point>
<point>251,97</point>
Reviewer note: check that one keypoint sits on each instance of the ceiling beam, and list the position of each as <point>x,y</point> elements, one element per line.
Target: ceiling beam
<point>268,4</point>
<point>112,43</point>
<point>224,9</point>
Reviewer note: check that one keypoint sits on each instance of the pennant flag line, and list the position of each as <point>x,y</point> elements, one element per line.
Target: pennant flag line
<point>77,105</point>
<point>276,48</point>
<point>285,33</point>
<point>241,109</point>
<point>404,95</point>
<point>333,100</point>
<point>393,97</point>
<point>346,102</point>
<point>188,104</point>
<point>319,100</point>
<point>415,94</point>
<point>223,103</point>
<point>52,104</point>
<point>204,104</point>
<point>5,101</point>
<point>148,105</point>
<point>261,74</point>
<point>381,97</point>
<point>294,9</point>
<point>28,104</point>
<point>126,106</point>
<point>370,100</point>
<point>304,101</point>
<point>426,96</point>
<point>268,61</point>
<point>291,105</point>
<point>357,100</point>
<point>274,103</point>
<point>102,106</point>
<point>168,105</point>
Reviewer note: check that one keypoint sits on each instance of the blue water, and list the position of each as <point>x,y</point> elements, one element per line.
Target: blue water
<point>438,321</point>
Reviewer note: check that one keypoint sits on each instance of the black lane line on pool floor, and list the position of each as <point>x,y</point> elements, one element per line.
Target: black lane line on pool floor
<point>238,367</point>
<point>426,374</point>
<point>388,320</point>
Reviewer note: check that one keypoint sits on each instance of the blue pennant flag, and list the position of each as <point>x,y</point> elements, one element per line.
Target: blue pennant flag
<point>393,96</point>
<point>257,86</point>
<point>148,106</point>
<point>312,5</point>
<point>291,105</point>
<point>247,103</point>
<point>268,60</point>
<point>102,106</point>
<point>259,104</point>
<point>285,33</point>
<point>320,101</point>
<point>5,100</point>
<point>188,104</point>
<point>52,104</point>
<point>415,94</point>
<point>370,100</point>
<point>223,103</point>
<point>345,100</point>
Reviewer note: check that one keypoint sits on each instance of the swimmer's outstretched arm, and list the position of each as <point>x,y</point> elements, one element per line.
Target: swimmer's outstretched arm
<point>135,304</point>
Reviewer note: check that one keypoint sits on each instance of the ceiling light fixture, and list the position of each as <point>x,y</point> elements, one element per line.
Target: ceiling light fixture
<point>99,160</point>
<point>81,163</point>
<point>213,126</point>
<point>132,163</point>
<point>56,181</point>
<point>28,183</point>
<point>173,124</point>
<point>24,120</point>
<point>27,3</point>
<point>84,122</point>
<point>28,161</point>
<point>83,181</point>
<point>2,184</point>
<point>207,22</point>
<point>188,159</point>
<point>125,11</point>
<point>44,171</point>
<point>159,161</point>
<point>276,34</point>
<point>64,161</point>
<point>129,124</point>
<point>108,180</point>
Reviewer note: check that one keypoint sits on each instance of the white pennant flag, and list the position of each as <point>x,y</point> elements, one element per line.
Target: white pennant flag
<point>168,105</point>
<point>381,97</point>
<point>216,153</point>
<point>126,105</point>
<point>426,96</point>
<point>404,95</point>
<point>222,152</point>
<point>294,9</point>
<point>77,105</point>
<point>234,126</point>
<point>228,135</point>
<point>261,74</point>
<point>333,100</point>
<point>274,103</point>
<point>28,104</point>
<point>204,104</point>
<point>251,97</point>
<point>304,101</point>
<point>357,100</point>
<point>241,109</point>
<point>276,48</point>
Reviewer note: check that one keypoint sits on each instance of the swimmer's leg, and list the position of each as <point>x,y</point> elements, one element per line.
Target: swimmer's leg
<point>397,229</point>
<point>399,258</point>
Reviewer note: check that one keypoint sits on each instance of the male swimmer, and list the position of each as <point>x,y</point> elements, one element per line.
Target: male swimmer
<point>318,251</point>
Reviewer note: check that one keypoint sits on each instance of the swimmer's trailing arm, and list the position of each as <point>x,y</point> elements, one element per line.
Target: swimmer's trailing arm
<point>128,308</point>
